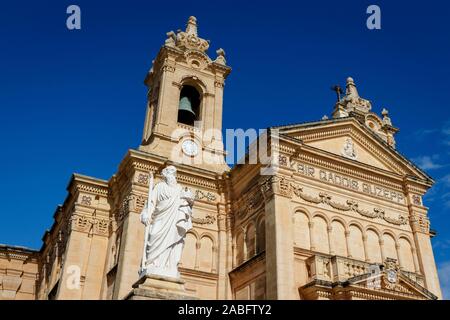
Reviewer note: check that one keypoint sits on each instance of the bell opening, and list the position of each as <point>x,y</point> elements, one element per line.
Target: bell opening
<point>189,105</point>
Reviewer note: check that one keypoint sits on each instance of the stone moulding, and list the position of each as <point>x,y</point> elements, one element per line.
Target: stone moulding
<point>208,196</point>
<point>343,169</point>
<point>208,219</point>
<point>89,224</point>
<point>249,203</point>
<point>350,205</point>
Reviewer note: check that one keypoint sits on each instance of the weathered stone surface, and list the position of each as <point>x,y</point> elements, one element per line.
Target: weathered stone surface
<point>159,288</point>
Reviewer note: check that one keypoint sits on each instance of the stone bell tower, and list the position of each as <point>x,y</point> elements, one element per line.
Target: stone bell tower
<point>184,109</point>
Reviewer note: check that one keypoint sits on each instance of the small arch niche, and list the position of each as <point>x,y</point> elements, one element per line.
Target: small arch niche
<point>189,105</point>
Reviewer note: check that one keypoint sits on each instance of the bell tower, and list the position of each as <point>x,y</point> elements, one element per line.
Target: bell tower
<point>184,105</point>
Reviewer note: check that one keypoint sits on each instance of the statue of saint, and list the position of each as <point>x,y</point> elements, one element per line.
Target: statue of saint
<point>167,217</point>
<point>348,150</point>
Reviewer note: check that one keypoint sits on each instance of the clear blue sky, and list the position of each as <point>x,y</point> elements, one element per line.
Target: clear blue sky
<point>74,101</point>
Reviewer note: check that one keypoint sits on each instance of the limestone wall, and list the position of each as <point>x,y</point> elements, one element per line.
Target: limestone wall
<point>18,273</point>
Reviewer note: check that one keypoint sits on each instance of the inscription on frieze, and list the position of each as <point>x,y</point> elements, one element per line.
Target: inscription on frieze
<point>348,182</point>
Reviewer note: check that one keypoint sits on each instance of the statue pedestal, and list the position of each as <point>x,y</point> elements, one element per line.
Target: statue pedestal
<point>155,287</point>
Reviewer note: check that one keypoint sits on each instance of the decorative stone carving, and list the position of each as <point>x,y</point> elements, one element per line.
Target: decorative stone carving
<point>416,200</point>
<point>282,160</point>
<point>419,222</point>
<point>219,83</point>
<point>386,119</point>
<point>168,68</point>
<point>86,200</point>
<point>124,207</point>
<point>142,178</point>
<point>249,203</point>
<point>350,205</point>
<point>90,224</point>
<point>208,219</point>
<point>276,185</point>
<point>352,101</point>
<point>220,57</point>
<point>208,196</point>
<point>348,150</point>
<point>189,39</point>
<point>171,39</point>
<point>93,189</point>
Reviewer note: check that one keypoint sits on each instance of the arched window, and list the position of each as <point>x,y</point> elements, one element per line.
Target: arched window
<point>189,105</point>
<point>261,237</point>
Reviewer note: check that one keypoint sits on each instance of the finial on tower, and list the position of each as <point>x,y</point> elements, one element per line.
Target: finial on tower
<point>189,39</point>
<point>351,88</point>
<point>220,57</point>
<point>191,27</point>
<point>386,118</point>
<point>171,39</point>
<point>351,102</point>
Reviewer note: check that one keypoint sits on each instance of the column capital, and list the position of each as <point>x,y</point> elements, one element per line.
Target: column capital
<point>276,185</point>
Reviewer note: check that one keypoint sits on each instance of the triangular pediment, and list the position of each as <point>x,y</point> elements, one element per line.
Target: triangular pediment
<point>394,284</point>
<point>349,140</point>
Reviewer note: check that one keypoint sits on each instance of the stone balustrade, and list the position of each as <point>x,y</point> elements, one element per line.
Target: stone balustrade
<point>340,269</point>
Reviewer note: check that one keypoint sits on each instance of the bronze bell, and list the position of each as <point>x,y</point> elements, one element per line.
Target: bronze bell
<point>186,105</point>
<point>185,113</point>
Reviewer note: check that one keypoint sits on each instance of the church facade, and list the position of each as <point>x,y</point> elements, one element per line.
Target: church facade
<point>340,217</point>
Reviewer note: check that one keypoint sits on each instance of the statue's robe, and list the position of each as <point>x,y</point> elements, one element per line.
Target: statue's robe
<point>171,219</point>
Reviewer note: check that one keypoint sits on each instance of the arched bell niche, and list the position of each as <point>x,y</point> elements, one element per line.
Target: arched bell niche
<point>189,105</point>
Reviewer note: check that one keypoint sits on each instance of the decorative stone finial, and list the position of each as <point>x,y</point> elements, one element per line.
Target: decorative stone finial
<point>351,88</point>
<point>220,57</point>
<point>171,39</point>
<point>191,27</point>
<point>386,119</point>
<point>352,101</point>
<point>189,39</point>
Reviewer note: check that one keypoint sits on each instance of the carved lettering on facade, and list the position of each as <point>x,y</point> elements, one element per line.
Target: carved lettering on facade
<point>348,183</point>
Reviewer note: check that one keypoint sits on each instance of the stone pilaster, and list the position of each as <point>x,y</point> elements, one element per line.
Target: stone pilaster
<point>86,249</point>
<point>420,226</point>
<point>280,282</point>
<point>131,246</point>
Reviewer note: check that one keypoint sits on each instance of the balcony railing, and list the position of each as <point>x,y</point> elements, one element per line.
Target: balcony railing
<point>340,269</point>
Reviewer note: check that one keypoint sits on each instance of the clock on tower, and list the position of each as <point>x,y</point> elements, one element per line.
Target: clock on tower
<point>184,107</point>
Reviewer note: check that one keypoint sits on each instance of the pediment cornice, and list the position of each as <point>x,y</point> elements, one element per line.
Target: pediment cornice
<point>298,137</point>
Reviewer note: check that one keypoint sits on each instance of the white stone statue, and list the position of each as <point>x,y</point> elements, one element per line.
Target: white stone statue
<point>348,149</point>
<point>167,217</point>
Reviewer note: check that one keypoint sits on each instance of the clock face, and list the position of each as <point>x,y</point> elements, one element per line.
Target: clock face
<point>190,148</point>
<point>392,276</point>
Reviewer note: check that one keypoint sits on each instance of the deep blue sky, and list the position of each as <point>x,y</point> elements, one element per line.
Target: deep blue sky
<point>74,101</point>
